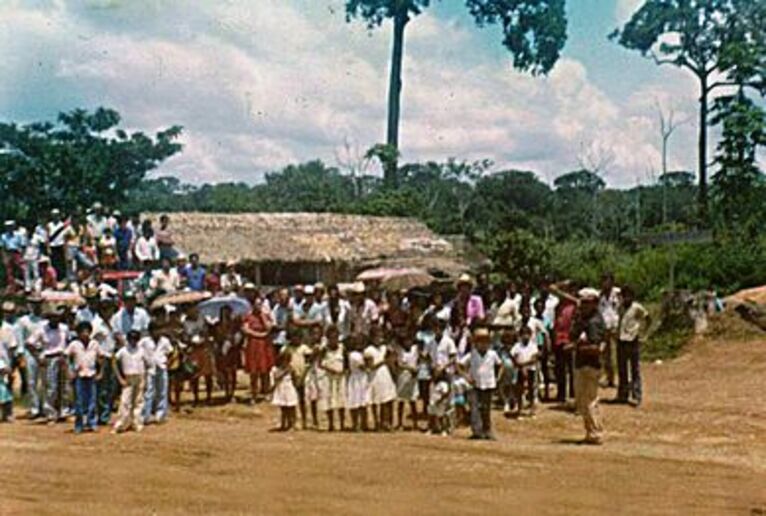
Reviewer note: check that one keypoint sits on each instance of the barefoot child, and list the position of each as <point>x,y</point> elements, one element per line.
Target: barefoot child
<point>300,355</point>
<point>332,381</point>
<point>358,388</point>
<point>525,355</point>
<point>407,382</point>
<point>507,384</point>
<point>440,400</point>
<point>284,394</point>
<point>313,373</point>
<point>382,387</point>
<point>130,366</point>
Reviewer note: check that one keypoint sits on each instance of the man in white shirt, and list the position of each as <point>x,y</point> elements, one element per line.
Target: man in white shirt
<point>166,279</point>
<point>609,306</point>
<point>29,327</point>
<point>129,317</point>
<point>634,323</point>
<point>85,355</point>
<point>57,234</point>
<point>481,364</point>
<point>52,341</point>
<point>107,383</point>
<point>231,281</point>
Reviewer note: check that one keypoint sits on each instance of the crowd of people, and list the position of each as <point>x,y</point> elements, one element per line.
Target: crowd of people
<point>431,360</point>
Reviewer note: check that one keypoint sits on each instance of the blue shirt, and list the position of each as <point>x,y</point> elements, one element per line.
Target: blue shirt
<point>12,242</point>
<point>195,278</point>
<point>123,236</point>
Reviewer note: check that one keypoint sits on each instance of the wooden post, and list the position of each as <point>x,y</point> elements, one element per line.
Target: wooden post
<point>258,281</point>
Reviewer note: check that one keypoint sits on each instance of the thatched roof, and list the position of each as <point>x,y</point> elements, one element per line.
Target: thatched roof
<point>309,237</point>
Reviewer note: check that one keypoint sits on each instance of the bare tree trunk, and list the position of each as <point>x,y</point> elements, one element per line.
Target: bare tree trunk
<point>703,187</point>
<point>395,94</point>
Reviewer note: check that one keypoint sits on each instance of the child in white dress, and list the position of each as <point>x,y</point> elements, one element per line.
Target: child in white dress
<point>358,389</point>
<point>382,387</point>
<point>332,381</point>
<point>284,394</point>
<point>407,381</point>
<point>311,384</point>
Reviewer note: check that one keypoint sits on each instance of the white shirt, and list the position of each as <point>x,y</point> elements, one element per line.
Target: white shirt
<point>482,368</point>
<point>524,353</point>
<point>57,240</point>
<point>131,360</point>
<point>609,307</point>
<point>123,321</point>
<point>161,352</point>
<point>146,249</point>
<point>8,336</point>
<point>149,348</point>
<point>54,339</point>
<point>633,323</point>
<point>104,335</point>
<point>169,281</point>
<point>231,282</point>
<point>443,352</point>
<point>29,327</point>
<point>409,357</point>
<point>85,357</point>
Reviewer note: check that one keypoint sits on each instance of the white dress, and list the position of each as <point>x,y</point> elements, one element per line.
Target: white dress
<point>407,381</point>
<point>358,391</point>
<point>332,385</point>
<point>284,394</point>
<point>382,387</point>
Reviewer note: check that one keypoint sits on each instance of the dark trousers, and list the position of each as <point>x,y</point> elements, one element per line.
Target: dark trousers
<point>85,404</point>
<point>564,360</point>
<point>59,261</point>
<point>481,405</point>
<point>629,370</point>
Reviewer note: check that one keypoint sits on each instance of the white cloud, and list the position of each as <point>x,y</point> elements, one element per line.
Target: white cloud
<point>625,9</point>
<point>259,85</point>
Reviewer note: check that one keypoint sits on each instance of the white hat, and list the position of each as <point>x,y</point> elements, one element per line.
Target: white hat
<point>308,290</point>
<point>357,288</point>
<point>55,211</point>
<point>249,286</point>
<point>9,223</point>
<point>588,294</point>
<point>97,205</point>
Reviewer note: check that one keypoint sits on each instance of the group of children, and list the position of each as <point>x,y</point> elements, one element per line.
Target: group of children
<point>393,371</point>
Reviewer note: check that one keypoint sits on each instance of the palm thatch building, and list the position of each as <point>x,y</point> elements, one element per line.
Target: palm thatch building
<point>289,248</point>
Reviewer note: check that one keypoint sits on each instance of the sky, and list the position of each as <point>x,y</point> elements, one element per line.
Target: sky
<point>261,84</point>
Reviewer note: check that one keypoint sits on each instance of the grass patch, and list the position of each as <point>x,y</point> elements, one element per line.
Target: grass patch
<point>666,344</point>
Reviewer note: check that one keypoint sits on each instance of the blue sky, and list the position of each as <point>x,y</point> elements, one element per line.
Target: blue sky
<point>259,84</point>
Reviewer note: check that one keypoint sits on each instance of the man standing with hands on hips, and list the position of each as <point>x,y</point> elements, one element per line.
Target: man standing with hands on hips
<point>589,334</point>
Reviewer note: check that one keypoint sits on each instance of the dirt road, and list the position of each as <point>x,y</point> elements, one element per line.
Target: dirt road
<point>697,446</point>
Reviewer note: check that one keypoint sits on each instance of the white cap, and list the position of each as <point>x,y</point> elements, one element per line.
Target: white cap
<point>589,294</point>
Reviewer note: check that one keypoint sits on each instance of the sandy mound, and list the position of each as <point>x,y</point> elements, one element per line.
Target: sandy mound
<point>755,295</point>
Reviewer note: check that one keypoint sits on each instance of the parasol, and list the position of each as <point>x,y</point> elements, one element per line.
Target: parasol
<point>180,298</point>
<point>62,298</point>
<point>397,278</point>
<point>212,307</point>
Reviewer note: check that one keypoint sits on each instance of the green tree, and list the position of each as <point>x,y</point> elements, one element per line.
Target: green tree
<point>534,31</point>
<point>739,187</point>
<point>519,255</point>
<point>82,158</point>
<point>710,38</point>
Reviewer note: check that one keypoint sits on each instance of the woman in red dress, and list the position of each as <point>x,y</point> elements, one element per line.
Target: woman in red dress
<point>259,353</point>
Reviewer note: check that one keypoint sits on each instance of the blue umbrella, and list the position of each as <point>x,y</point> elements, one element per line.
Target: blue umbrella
<point>212,307</point>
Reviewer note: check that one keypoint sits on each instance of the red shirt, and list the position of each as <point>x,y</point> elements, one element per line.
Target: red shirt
<point>563,324</point>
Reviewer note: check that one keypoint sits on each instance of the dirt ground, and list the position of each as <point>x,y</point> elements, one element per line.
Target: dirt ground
<point>697,446</point>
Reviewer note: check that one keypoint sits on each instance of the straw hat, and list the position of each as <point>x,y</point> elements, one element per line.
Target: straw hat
<point>465,279</point>
<point>8,307</point>
<point>481,334</point>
